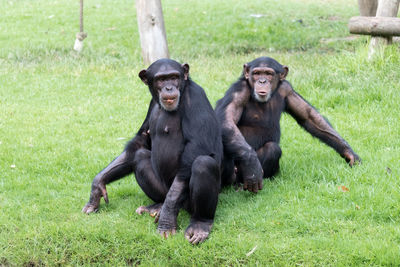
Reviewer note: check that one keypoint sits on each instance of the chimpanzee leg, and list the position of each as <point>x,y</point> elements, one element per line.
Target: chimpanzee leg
<point>269,156</point>
<point>151,185</point>
<point>204,187</point>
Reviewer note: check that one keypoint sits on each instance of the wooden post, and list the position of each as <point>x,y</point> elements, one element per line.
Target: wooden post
<point>151,30</point>
<point>375,26</point>
<point>386,8</point>
<point>367,7</point>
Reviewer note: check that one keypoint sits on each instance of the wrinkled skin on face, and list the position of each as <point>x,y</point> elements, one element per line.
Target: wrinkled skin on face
<point>166,84</point>
<point>263,80</point>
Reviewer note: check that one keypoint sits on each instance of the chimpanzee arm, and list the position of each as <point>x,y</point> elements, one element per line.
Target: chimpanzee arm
<point>176,195</point>
<point>313,122</point>
<point>119,167</point>
<point>229,110</point>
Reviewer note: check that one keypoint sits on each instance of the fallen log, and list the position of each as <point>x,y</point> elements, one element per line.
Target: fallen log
<point>375,26</point>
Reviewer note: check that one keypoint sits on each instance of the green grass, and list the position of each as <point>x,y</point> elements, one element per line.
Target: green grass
<point>63,117</point>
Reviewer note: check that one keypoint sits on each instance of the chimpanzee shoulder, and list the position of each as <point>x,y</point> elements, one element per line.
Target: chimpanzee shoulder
<point>199,123</point>
<point>240,87</point>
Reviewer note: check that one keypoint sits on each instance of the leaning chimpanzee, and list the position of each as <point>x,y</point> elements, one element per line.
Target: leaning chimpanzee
<point>250,112</point>
<point>176,155</point>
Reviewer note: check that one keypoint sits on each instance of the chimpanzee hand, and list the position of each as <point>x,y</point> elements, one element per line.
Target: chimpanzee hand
<point>166,222</point>
<point>252,174</point>
<point>351,157</point>
<point>98,191</point>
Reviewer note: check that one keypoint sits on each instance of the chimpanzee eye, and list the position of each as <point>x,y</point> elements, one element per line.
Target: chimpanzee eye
<point>161,79</point>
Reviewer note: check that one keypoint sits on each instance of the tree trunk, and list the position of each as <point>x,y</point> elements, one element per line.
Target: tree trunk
<point>151,30</point>
<point>386,8</point>
<point>367,7</point>
<point>375,26</point>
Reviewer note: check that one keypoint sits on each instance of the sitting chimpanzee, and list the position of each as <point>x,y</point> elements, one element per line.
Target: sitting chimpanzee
<point>176,155</point>
<point>249,114</point>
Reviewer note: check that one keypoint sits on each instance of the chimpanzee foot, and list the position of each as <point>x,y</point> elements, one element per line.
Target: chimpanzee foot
<point>153,210</point>
<point>198,231</point>
<point>98,191</point>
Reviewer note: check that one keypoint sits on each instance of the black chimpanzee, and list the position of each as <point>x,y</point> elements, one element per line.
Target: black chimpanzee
<point>176,155</point>
<point>250,112</point>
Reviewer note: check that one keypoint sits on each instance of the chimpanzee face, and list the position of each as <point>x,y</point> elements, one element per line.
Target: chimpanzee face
<point>264,79</point>
<point>166,82</point>
<point>167,85</point>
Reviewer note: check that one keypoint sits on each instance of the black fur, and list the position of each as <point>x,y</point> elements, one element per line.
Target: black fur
<point>257,130</point>
<point>179,150</point>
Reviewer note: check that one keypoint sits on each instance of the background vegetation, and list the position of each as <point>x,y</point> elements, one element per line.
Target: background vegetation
<point>64,116</point>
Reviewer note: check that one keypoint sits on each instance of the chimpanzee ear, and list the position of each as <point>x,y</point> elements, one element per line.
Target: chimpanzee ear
<point>246,71</point>
<point>142,75</point>
<point>185,67</point>
<point>285,72</point>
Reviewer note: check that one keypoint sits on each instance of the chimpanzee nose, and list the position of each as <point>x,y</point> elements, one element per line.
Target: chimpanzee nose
<point>168,87</point>
<point>262,80</point>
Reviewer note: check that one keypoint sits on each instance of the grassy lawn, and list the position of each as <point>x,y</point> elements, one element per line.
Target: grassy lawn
<point>63,117</point>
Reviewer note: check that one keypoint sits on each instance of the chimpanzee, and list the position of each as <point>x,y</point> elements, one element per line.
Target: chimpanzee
<point>176,155</point>
<point>249,114</point>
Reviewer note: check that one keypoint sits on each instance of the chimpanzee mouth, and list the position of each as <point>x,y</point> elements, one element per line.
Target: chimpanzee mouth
<point>169,100</point>
<point>262,96</point>
<point>169,103</point>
